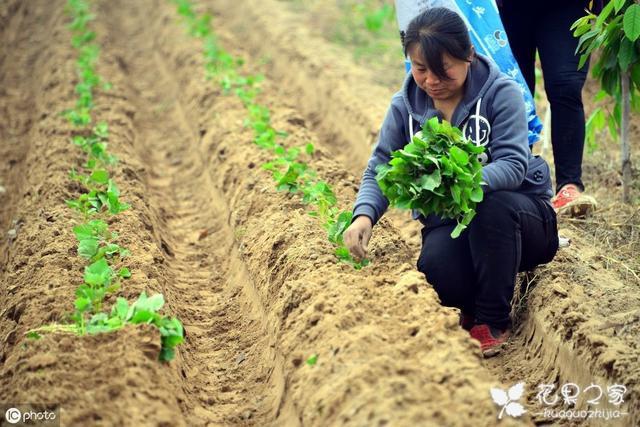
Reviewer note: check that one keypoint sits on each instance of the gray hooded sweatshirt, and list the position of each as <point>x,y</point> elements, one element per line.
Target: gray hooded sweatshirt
<point>491,113</point>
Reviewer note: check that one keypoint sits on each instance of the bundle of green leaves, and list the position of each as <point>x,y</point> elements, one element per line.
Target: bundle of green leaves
<point>438,172</point>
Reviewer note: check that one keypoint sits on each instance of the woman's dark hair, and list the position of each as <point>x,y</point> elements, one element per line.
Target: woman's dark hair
<point>438,30</point>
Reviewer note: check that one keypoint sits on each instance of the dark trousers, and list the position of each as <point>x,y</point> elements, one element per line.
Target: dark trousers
<point>476,272</point>
<point>545,27</point>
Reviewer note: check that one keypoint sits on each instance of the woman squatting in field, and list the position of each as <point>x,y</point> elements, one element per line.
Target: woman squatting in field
<point>515,225</point>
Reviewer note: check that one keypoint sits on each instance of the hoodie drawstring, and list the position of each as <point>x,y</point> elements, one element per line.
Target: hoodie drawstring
<point>478,120</point>
<point>410,128</point>
<point>477,116</point>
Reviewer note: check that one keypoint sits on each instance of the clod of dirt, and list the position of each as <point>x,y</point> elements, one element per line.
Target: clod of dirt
<point>297,121</point>
<point>204,233</point>
<point>246,415</point>
<point>40,361</point>
<point>16,312</point>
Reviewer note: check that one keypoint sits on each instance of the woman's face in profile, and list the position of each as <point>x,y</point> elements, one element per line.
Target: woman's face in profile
<point>438,89</point>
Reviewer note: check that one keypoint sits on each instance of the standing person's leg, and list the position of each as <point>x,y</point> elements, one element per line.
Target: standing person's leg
<point>520,28</point>
<point>446,264</point>
<point>563,84</point>
<point>511,231</point>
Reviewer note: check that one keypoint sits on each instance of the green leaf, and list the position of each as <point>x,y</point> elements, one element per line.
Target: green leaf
<point>579,31</point>
<point>338,227</point>
<point>124,273</point>
<point>100,177</point>
<point>142,316</point>
<point>170,327</point>
<point>167,354</point>
<point>597,119</point>
<point>613,127</point>
<point>84,231</point>
<point>171,340</point>
<point>111,249</point>
<point>459,156</point>
<point>626,54</point>
<point>343,253</point>
<point>33,335</point>
<point>583,60</point>
<point>101,130</point>
<point>312,360</point>
<point>361,264</point>
<point>477,195</point>
<point>631,22</point>
<point>120,309</point>
<point>587,41</point>
<point>114,287</point>
<point>88,248</point>
<point>604,14</point>
<point>112,188</point>
<point>82,303</point>
<point>431,181</point>
<point>100,323</point>
<point>309,149</point>
<point>602,94</point>
<point>98,273</point>
<point>292,154</point>
<point>617,4</point>
<point>153,303</point>
<point>456,193</point>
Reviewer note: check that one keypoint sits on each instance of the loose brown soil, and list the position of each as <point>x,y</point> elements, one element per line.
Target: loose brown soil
<point>249,273</point>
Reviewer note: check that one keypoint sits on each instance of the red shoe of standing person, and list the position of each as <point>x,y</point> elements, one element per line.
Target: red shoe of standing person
<point>492,340</point>
<point>570,200</point>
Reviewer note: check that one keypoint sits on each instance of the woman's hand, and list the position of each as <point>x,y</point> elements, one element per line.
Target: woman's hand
<point>356,237</point>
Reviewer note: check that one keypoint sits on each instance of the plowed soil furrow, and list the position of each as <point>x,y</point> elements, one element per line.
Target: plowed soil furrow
<point>17,110</point>
<point>233,372</point>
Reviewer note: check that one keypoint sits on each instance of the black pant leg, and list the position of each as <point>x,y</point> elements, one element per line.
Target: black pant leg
<point>563,85</point>
<point>520,28</point>
<point>446,264</point>
<point>511,231</point>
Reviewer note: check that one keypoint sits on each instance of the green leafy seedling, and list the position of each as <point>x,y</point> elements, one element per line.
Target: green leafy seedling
<point>438,172</point>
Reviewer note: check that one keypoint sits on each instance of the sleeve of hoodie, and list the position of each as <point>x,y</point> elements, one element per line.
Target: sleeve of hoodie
<point>370,200</point>
<point>509,144</point>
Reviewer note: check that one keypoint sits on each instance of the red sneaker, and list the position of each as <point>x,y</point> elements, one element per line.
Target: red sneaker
<point>570,200</point>
<point>491,343</point>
